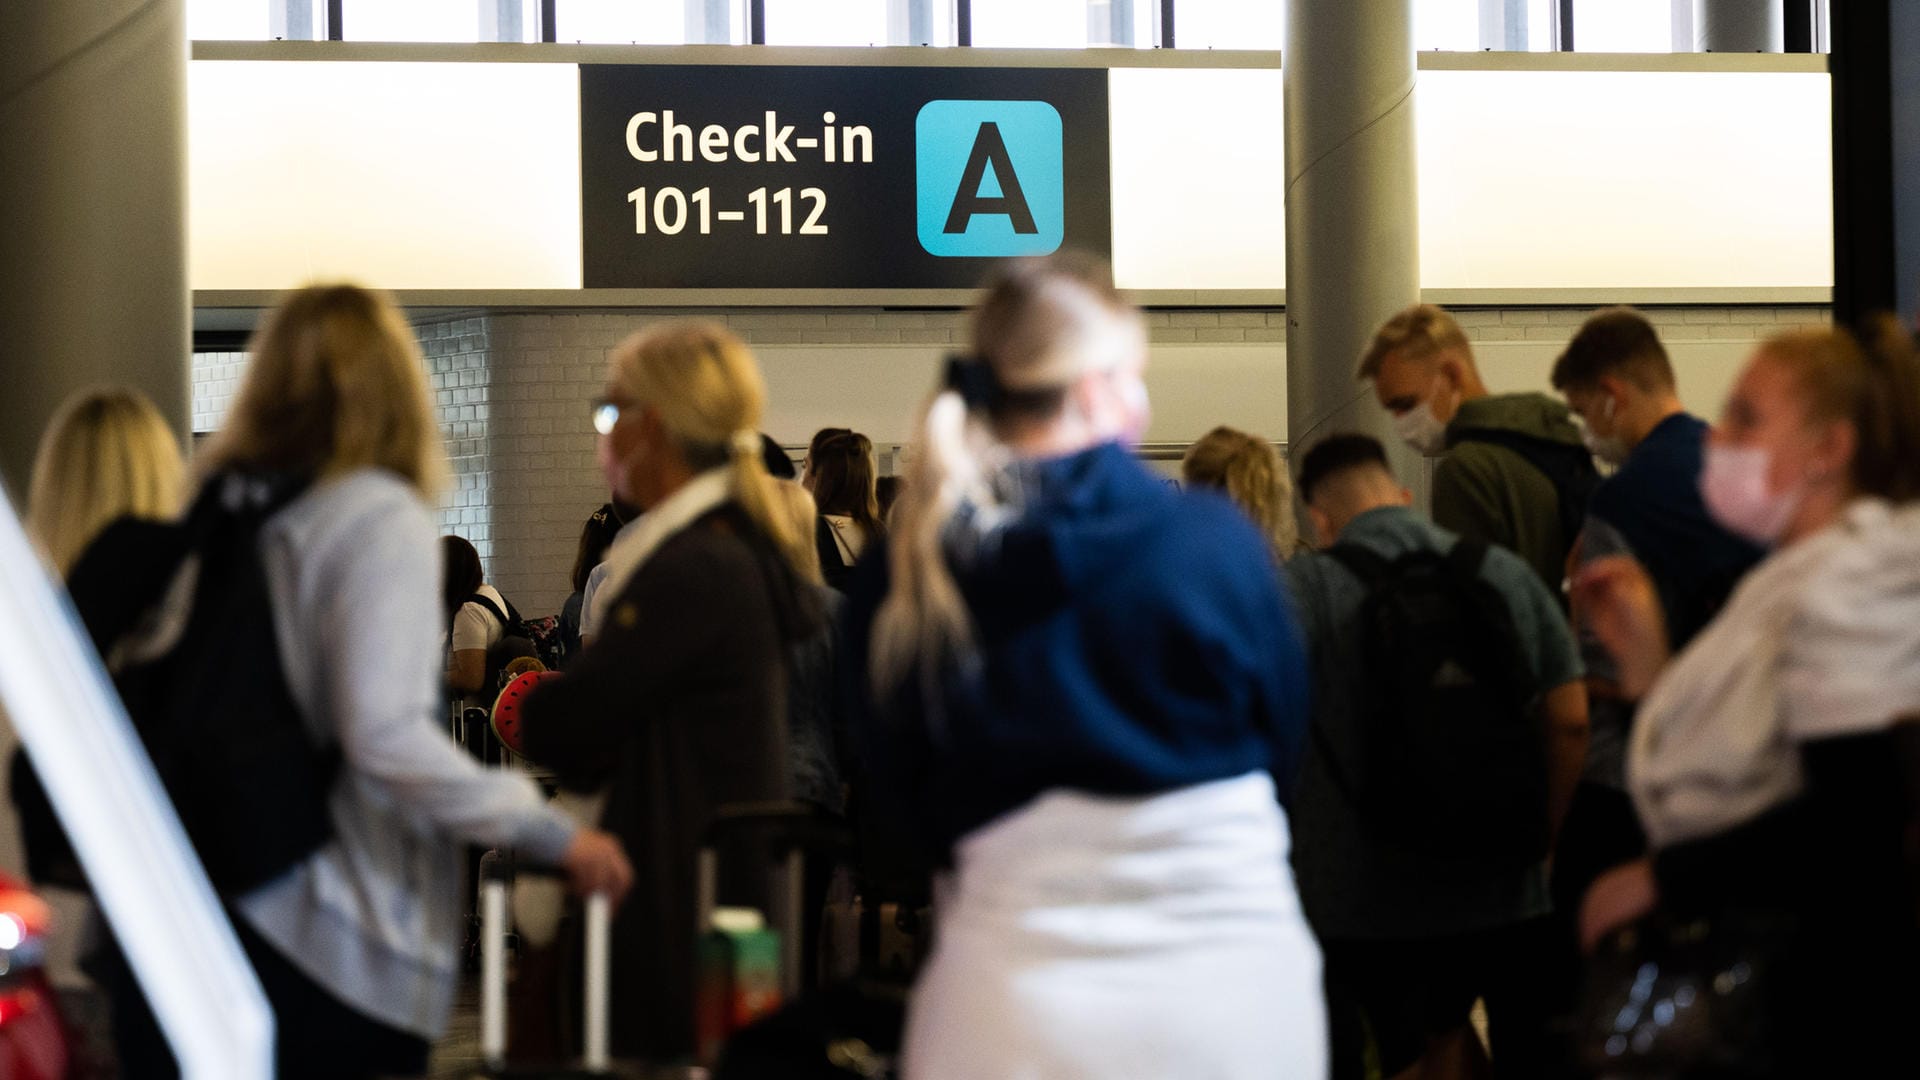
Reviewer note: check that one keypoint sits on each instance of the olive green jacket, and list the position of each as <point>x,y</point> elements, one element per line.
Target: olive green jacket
<point>1492,494</point>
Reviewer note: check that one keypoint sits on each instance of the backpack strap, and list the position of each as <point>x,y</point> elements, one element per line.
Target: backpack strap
<point>1369,566</point>
<point>1371,569</point>
<point>1466,558</point>
<point>492,609</point>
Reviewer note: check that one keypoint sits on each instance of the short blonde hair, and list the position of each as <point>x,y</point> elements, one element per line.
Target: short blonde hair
<point>1248,468</point>
<point>107,454</point>
<point>705,386</point>
<point>1417,333</point>
<point>335,383</point>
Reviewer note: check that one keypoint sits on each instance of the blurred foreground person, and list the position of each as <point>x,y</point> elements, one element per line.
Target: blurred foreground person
<point>678,707</point>
<point>1084,689</point>
<point>1773,761</point>
<point>355,944</point>
<point>107,454</point>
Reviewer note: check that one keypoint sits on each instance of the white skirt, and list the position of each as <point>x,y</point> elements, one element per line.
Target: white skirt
<point>1150,937</point>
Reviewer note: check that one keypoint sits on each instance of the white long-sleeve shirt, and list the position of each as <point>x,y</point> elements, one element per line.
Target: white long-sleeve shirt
<point>373,916</point>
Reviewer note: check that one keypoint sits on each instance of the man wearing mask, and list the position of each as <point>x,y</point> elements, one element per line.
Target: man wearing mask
<point>1512,471</point>
<point>1616,377</point>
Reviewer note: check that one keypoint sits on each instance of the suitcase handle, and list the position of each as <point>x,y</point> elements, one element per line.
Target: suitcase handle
<point>493,972</point>
<point>782,833</point>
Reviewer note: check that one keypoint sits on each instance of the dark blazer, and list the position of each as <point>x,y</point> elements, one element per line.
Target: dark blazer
<point>680,704</point>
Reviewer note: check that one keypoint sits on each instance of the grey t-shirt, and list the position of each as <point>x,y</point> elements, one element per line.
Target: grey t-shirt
<point>1350,885</point>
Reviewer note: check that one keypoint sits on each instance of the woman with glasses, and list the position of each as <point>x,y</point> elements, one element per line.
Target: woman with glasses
<point>679,705</point>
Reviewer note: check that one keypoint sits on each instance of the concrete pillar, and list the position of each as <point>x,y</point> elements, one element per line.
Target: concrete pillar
<point>1353,247</point>
<point>93,207</point>
<point>1739,26</point>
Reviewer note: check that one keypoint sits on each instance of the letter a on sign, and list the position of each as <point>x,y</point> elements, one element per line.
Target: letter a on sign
<point>990,151</point>
<point>990,178</point>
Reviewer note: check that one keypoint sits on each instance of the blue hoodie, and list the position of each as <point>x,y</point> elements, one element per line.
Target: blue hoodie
<point>1131,639</point>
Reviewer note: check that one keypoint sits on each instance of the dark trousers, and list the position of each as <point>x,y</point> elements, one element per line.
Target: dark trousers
<point>317,1036</point>
<point>1398,994</point>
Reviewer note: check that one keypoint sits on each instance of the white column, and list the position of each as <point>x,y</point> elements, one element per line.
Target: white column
<point>1353,253</point>
<point>93,207</point>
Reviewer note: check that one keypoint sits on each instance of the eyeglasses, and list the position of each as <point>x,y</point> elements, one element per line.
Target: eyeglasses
<point>605,415</point>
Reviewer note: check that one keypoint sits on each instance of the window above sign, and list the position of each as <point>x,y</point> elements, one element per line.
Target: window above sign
<point>1030,24</point>
<point>621,22</point>
<point>830,22</point>
<point>1654,26</point>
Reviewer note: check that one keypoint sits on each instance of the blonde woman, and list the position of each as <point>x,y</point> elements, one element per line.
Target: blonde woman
<point>1088,699</point>
<point>679,707</point>
<point>1249,470</point>
<point>107,454</point>
<point>356,945</point>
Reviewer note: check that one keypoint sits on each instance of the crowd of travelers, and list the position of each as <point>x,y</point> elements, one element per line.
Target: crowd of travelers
<point>1606,766</point>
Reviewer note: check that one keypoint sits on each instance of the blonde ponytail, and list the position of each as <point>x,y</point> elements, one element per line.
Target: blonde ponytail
<point>924,615</point>
<point>703,382</point>
<point>1043,324</point>
<point>757,492</point>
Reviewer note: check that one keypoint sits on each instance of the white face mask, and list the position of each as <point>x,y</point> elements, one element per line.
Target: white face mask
<point>1419,428</point>
<point>1611,449</point>
<point>1734,485</point>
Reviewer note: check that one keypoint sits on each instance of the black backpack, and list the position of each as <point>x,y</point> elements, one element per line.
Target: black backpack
<point>201,677</point>
<point>1452,748</point>
<point>538,638</point>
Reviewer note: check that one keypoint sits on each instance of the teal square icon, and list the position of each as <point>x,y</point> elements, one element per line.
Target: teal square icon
<point>990,178</point>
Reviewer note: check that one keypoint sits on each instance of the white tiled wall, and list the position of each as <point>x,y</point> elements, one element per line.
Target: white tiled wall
<point>512,392</point>
<point>216,376</point>
<point>460,374</point>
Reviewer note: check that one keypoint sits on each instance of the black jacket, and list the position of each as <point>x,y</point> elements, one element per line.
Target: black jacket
<point>680,704</point>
